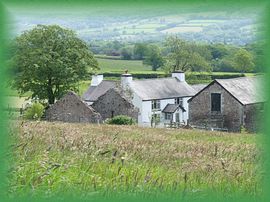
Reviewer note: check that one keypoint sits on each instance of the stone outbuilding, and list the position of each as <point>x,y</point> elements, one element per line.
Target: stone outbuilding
<point>70,108</point>
<point>114,103</point>
<point>229,104</point>
<point>97,88</point>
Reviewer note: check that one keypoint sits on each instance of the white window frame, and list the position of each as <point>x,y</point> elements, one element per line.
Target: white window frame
<point>178,101</point>
<point>156,105</point>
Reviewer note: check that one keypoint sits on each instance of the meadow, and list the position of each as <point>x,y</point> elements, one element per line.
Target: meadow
<point>90,160</point>
<point>115,65</point>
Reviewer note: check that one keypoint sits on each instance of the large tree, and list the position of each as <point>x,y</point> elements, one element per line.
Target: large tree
<point>154,58</point>
<point>183,55</point>
<point>243,61</point>
<point>50,60</point>
<point>140,51</point>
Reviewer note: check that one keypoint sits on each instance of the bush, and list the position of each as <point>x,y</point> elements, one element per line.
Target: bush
<point>121,120</point>
<point>34,112</point>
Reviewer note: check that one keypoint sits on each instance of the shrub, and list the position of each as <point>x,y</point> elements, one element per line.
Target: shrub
<point>121,120</point>
<point>243,130</point>
<point>34,112</point>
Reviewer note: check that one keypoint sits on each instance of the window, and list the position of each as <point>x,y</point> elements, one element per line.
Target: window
<point>179,101</point>
<point>215,102</point>
<point>156,105</point>
<point>168,116</point>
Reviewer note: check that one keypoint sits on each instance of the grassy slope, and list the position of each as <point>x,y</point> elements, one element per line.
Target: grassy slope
<point>136,66</point>
<point>111,65</point>
<point>85,159</point>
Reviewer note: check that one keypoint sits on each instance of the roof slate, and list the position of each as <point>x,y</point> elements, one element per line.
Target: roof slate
<point>247,90</point>
<point>94,92</point>
<point>198,87</point>
<point>171,108</point>
<point>161,88</point>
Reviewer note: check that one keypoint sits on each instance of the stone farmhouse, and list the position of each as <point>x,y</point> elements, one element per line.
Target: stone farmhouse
<point>224,104</point>
<point>228,104</point>
<point>160,101</point>
<point>71,108</point>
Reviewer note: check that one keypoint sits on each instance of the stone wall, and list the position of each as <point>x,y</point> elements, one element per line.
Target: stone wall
<point>253,117</point>
<point>71,108</point>
<point>112,103</point>
<point>200,113</point>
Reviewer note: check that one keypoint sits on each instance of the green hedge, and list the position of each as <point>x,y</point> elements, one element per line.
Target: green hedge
<point>121,120</point>
<point>189,76</point>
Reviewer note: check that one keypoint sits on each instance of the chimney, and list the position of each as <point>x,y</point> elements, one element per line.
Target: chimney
<point>126,79</point>
<point>180,75</point>
<point>96,79</point>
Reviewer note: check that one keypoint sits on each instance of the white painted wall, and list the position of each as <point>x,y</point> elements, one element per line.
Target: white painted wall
<point>145,107</point>
<point>145,111</point>
<point>137,102</point>
<point>186,107</point>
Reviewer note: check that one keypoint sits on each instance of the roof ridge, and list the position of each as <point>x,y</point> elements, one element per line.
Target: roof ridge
<point>242,77</point>
<point>155,79</point>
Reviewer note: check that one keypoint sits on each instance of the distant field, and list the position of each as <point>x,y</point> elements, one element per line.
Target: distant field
<point>183,29</point>
<point>136,66</point>
<point>87,160</point>
<point>111,65</point>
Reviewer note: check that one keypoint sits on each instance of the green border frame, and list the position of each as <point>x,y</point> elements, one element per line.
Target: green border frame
<point>68,4</point>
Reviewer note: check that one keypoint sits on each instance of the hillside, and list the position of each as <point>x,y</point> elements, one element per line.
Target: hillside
<point>90,159</point>
<point>234,26</point>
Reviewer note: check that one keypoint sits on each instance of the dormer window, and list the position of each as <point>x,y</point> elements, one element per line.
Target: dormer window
<point>155,104</point>
<point>179,101</point>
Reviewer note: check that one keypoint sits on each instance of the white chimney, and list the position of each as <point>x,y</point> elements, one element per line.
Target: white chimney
<point>96,79</point>
<point>180,75</point>
<point>126,79</point>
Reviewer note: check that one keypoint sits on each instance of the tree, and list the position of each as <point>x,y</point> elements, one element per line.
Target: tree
<point>50,60</point>
<point>126,53</point>
<point>186,56</point>
<point>154,58</point>
<point>218,51</point>
<point>257,50</point>
<point>140,51</point>
<point>243,61</point>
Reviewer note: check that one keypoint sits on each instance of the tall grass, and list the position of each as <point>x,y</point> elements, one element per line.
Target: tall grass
<point>52,158</point>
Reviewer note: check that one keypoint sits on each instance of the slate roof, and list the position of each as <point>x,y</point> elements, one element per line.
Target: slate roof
<point>247,90</point>
<point>68,95</point>
<point>161,88</point>
<point>94,92</point>
<point>171,108</point>
<point>198,87</point>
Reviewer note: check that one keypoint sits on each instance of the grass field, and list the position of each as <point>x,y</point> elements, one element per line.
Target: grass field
<point>89,160</point>
<point>111,65</point>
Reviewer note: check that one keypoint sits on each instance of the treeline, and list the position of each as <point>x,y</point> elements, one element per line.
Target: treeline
<point>177,54</point>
